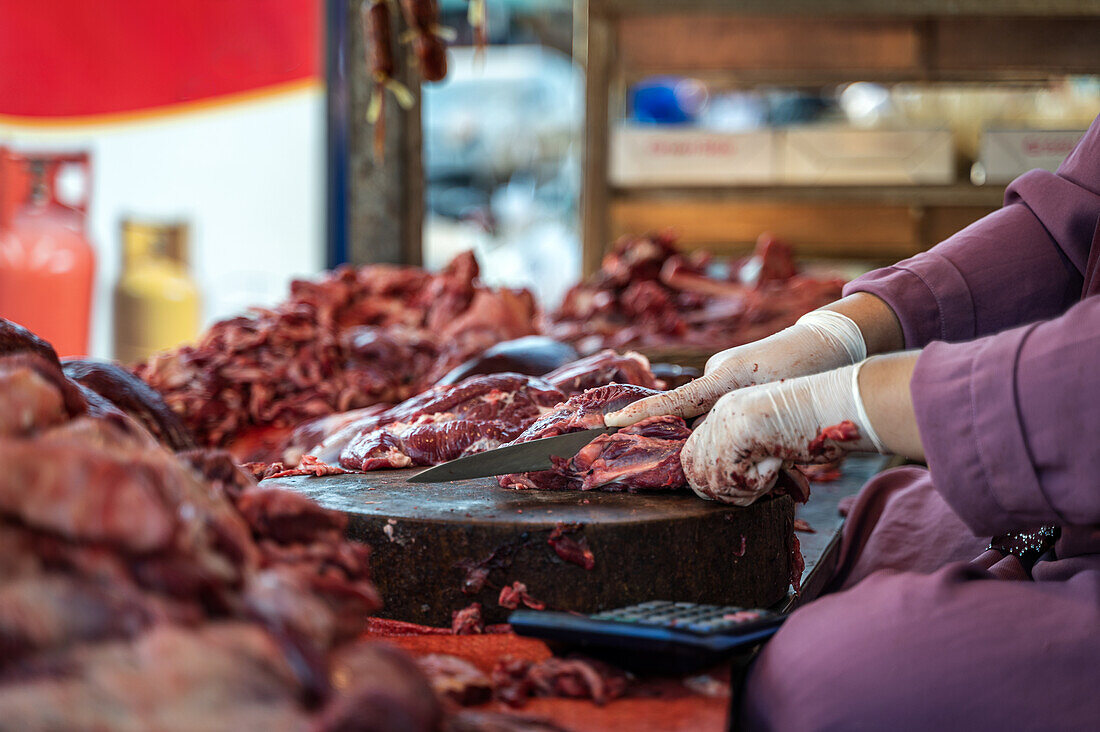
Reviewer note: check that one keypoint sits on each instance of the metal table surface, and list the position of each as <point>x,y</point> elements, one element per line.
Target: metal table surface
<point>821,512</point>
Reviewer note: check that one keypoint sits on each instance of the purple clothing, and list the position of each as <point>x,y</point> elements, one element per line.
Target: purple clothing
<point>949,644</point>
<point>1008,418</point>
<point>925,628</point>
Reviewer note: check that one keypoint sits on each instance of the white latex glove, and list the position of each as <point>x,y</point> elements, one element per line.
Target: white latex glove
<point>819,341</point>
<point>736,454</point>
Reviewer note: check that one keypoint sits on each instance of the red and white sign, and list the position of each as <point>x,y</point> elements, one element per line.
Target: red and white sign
<point>105,58</point>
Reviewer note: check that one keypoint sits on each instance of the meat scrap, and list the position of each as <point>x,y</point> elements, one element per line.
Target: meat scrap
<point>511,596</point>
<point>575,551</point>
<point>515,680</point>
<point>308,465</point>
<point>455,679</point>
<point>846,431</point>
<point>14,338</point>
<point>803,526</point>
<point>467,621</point>
<point>798,564</point>
<point>822,472</point>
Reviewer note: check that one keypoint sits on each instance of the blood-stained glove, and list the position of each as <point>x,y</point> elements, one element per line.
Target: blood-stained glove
<point>819,341</point>
<point>737,452</point>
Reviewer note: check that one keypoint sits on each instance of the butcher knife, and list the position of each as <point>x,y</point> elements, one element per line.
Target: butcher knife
<point>522,458</point>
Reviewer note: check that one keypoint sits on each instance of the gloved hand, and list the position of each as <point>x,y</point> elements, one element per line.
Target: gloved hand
<point>737,452</point>
<point>819,341</point>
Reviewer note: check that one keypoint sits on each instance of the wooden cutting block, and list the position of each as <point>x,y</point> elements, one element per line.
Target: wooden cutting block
<point>674,546</point>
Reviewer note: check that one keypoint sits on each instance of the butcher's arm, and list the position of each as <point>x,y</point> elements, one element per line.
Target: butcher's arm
<point>1010,423</point>
<point>1022,263</point>
<point>839,334</point>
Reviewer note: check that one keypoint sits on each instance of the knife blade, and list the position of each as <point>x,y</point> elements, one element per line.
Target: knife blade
<point>522,458</point>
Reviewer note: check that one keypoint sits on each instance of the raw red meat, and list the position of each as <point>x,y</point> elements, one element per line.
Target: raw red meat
<point>456,680</point>
<point>355,337</point>
<point>467,621</point>
<point>846,431</point>
<point>444,423</point>
<point>822,472</point>
<point>307,465</point>
<point>515,679</point>
<point>582,411</point>
<point>798,564</point>
<point>575,551</point>
<point>647,294</point>
<point>479,413</point>
<point>140,589</point>
<point>644,456</point>
<point>134,397</point>
<point>512,596</point>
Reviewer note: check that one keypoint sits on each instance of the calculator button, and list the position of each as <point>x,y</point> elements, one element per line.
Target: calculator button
<point>650,604</point>
<point>654,620</point>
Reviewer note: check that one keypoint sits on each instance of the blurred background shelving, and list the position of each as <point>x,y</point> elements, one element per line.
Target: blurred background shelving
<point>963,65</point>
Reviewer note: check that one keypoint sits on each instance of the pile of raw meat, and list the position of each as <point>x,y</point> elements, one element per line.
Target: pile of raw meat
<point>356,337</point>
<point>380,334</point>
<point>648,295</point>
<point>144,590</point>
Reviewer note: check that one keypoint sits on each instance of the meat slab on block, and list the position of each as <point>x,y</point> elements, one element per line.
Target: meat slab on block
<point>476,414</point>
<point>644,456</point>
<point>642,459</point>
<point>444,423</point>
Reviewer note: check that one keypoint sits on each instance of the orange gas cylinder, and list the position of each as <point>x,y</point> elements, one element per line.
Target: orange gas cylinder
<point>46,260</point>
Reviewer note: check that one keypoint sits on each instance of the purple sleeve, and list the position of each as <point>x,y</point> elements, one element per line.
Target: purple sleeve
<point>1010,422</point>
<point>1020,264</point>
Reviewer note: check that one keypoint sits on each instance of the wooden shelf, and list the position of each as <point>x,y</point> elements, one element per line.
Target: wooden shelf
<point>748,79</point>
<point>872,8</point>
<point>958,194</point>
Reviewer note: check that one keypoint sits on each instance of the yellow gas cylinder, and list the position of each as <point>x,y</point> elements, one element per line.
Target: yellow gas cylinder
<point>156,300</point>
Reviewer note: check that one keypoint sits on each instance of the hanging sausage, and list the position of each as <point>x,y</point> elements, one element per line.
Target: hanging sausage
<point>378,36</point>
<point>427,37</point>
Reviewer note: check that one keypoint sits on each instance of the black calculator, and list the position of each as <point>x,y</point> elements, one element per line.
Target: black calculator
<point>677,637</point>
